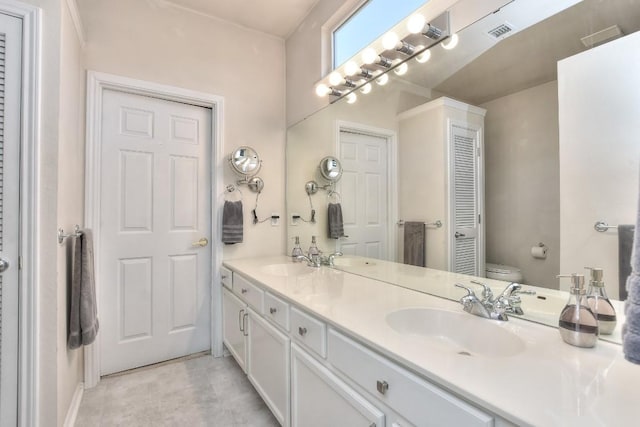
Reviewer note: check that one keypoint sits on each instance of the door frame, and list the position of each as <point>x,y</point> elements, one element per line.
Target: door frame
<point>97,83</point>
<point>30,210</point>
<point>392,174</point>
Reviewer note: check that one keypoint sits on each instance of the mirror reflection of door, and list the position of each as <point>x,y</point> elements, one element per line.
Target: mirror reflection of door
<point>364,193</point>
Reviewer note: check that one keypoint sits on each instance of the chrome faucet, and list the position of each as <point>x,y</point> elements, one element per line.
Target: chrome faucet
<point>314,261</point>
<point>331,258</point>
<point>318,260</point>
<point>511,300</point>
<point>508,302</point>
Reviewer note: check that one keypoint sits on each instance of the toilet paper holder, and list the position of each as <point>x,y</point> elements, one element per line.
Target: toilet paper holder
<point>539,251</point>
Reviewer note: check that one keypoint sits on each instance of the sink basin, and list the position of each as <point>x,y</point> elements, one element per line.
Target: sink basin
<point>461,333</point>
<point>286,270</point>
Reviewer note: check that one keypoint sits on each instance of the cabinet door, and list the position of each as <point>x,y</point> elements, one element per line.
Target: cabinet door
<point>234,322</point>
<point>268,365</point>
<point>320,398</point>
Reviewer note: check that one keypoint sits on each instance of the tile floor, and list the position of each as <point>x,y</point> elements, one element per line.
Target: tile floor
<point>202,391</point>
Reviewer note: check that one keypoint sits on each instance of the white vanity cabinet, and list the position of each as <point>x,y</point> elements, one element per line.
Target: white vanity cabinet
<point>420,402</point>
<point>319,398</point>
<point>234,313</point>
<point>268,364</point>
<point>311,374</point>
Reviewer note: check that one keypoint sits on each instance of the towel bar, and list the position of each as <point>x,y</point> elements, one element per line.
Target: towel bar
<point>62,236</point>
<point>602,226</point>
<point>436,224</point>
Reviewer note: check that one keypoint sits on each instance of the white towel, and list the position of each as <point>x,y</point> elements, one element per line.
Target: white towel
<point>83,313</point>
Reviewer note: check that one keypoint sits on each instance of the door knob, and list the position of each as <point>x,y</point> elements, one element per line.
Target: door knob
<point>201,243</point>
<point>458,234</point>
<point>4,265</point>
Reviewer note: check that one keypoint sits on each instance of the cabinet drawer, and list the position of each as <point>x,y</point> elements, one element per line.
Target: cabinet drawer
<point>226,277</point>
<point>248,292</point>
<point>276,310</point>
<point>419,401</point>
<point>309,331</point>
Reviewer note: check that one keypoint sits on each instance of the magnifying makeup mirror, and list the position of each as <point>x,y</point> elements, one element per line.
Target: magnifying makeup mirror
<point>330,169</point>
<point>245,161</point>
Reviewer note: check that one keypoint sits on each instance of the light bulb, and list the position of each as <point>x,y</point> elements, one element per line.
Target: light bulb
<point>322,90</point>
<point>366,88</point>
<point>351,98</point>
<point>401,69</point>
<point>382,80</point>
<point>451,43</point>
<point>369,56</point>
<point>390,40</point>
<point>415,24</point>
<point>335,79</point>
<point>423,57</point>
<point>351,68</point>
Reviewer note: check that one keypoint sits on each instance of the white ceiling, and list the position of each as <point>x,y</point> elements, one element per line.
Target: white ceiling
<point>276,17</point>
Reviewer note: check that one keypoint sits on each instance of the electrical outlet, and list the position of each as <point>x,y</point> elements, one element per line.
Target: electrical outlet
<point>295,218</point>
<point>275,219</point>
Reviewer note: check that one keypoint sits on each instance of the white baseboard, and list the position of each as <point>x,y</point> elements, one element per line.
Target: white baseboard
<point>74,406</point>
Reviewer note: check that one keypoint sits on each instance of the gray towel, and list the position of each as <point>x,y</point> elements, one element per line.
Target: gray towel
<point>414,243</point>
<point>336,224</point>
<point>232,222</point>
<point>625,245</point>
<point>83,314</point>
<point>631,328</point>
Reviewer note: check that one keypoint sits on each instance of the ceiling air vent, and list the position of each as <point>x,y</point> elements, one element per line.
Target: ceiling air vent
<point>501,31</point>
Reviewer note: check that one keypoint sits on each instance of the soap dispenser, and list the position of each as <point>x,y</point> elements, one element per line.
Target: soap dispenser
<point>599,302</point>
<point>578,325</point>
<point>314,252</point>
<point>297,250</point>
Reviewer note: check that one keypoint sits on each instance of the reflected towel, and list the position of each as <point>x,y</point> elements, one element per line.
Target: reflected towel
<point>414,243</point>
<point>83,314</point>
<point>336,224</point>
<point>232,222</point>
<point>625,246</point>
<point>631,328</point>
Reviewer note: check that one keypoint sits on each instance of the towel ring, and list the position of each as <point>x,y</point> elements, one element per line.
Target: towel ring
<point>336,195</point>
<point>233,189</point>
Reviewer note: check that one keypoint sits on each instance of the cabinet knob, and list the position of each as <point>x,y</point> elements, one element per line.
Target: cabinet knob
<point>382,386</point>
<point>244,291</point>
<point>273,310</point>
<point>302,331</point>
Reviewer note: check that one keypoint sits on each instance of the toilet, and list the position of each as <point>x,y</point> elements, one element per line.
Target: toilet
<point>504,272</point>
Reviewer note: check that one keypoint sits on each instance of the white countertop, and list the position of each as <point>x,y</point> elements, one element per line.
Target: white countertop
<point>549,383</point>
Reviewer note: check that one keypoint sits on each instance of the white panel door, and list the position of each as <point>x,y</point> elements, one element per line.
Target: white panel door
<point>155,203</point>
<point>363,188</point>
<point>467,248</point>
<point>10,86</point>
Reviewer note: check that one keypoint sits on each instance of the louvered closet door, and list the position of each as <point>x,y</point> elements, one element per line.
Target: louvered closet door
<point>10,85</point>
<point>467,252</point>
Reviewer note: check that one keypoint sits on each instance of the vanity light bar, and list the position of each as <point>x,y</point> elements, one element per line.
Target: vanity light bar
<point>383,55</point>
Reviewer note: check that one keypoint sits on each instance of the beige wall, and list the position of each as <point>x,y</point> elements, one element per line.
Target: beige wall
<point>522,182</point>
<point>600,152</point>
<point>71,150</point>
<point>155,42</point>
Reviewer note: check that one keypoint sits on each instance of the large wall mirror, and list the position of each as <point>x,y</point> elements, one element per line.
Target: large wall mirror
<point>560,91</point>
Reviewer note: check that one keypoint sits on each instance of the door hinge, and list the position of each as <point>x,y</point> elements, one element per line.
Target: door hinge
<point>479,219</point>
